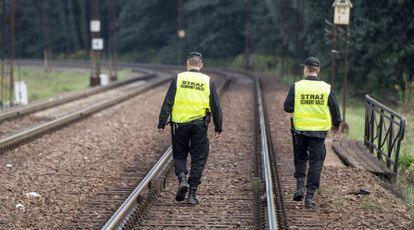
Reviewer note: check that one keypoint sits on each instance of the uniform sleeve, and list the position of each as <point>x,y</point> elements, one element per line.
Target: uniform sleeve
<point>215,107</point>
<point>334,110</point>
<point>167,104</point>
<point>289,104</point>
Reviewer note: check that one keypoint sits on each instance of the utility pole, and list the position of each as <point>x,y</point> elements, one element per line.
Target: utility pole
<point>11,92</point>
<point>3,46</point>
<point>333,54</point>
<point>46,40</point>
<point>342,9</point>
<point>180,31</point>
<point>96,44</point>
<point>248,49</point>
<point>112,40</point>
<point>345,90</point>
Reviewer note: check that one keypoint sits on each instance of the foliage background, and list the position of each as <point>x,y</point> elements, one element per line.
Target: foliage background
<point>284,33</point>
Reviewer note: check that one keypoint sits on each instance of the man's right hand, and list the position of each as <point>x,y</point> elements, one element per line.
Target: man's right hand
<point>161,131</point>
<point>335,129</point>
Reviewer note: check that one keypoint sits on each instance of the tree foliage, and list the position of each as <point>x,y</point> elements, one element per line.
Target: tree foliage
<point>381,33</point>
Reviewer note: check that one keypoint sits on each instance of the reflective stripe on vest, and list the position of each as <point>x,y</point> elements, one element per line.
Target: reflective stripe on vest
<point>192,98</point>
<point>311,112</point>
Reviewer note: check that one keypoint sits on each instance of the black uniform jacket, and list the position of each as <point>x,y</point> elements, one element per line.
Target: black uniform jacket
<point>332,104</point>
<point>166,108</point>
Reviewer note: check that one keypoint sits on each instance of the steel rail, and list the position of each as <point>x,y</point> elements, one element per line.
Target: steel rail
<point>271,208</point>
<point>120,217</point>
<point>15,139</point>
<point>59,101</point>
<point>264,150</point>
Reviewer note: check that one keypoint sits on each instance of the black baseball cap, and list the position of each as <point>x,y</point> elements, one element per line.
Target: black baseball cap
<point>311,61</point>
<point>194,54</point>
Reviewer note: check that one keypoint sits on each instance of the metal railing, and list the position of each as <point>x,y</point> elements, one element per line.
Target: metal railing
<point>384,131</point>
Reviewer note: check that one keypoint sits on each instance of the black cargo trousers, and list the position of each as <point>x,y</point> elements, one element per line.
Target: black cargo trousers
<point>190,138</point>
<point>310,149</point>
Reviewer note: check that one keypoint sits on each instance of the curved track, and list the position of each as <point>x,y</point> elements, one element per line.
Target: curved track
<point>34,120</point>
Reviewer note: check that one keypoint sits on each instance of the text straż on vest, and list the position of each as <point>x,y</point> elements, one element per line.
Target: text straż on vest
<point>192,85</point>
<point>312,99</point>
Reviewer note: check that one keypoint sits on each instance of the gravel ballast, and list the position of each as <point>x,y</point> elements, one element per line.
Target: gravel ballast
<point>336,206</point>
<point>72,165</point>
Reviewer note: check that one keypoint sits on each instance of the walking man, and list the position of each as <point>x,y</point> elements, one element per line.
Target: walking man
<point>315,111</point>
<point>189,103</point>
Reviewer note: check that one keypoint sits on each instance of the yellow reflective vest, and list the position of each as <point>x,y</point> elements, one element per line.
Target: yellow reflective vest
<point>311,111</point>
<point>192,97</point>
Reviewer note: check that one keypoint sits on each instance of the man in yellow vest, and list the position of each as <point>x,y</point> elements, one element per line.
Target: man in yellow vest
<point>315,111</point>
<point>189,103</point>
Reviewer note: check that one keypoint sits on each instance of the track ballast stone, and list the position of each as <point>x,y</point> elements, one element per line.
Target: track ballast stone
<point>226,194</point>
<point>335,207</point>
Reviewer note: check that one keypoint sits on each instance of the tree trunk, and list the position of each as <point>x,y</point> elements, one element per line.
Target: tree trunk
<point>84,25</point>
<point>72,27</point>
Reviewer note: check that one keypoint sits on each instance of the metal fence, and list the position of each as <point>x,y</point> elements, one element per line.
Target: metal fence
<point>384,131</point>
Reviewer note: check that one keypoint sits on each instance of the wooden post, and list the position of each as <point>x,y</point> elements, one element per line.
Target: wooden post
<point>333,54</point>
<point>95,67</point>
<point>3,45</point>
<point>112,42</point>
<point>345,86</point>
<point>11,93</point>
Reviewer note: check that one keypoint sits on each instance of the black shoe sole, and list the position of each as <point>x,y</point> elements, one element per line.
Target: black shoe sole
<point>310,206</point>
<point>298,197</point>
<point>180,196</point>
<point>192,203</point>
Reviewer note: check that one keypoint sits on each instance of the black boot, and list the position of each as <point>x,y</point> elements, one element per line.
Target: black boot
<point>309,199</point>
<point>300,190</point>
<point>192,199</point>
<point>182,187</point>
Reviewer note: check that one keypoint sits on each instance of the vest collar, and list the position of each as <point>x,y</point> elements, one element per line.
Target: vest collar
<point>193,70</point>
<point>312,78</point>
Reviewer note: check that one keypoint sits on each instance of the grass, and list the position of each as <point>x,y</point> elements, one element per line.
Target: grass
<point>368,205</point>
<point>42,85</point>
<point>355,118</point>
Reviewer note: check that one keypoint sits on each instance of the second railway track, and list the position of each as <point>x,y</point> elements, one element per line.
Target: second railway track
<point>68,110</point>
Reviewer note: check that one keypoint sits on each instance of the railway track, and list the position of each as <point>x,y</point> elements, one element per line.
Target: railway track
<point>13,113</point>
<point>54,114</point>
<point>102,207</point>
<point>42,160</point>
<point>242,189</point>
<point>88,170</point>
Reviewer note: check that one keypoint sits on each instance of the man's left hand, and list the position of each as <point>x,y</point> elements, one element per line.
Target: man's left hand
<point>218,135</point>
<point>335,129</point>
<point>161,131</point>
